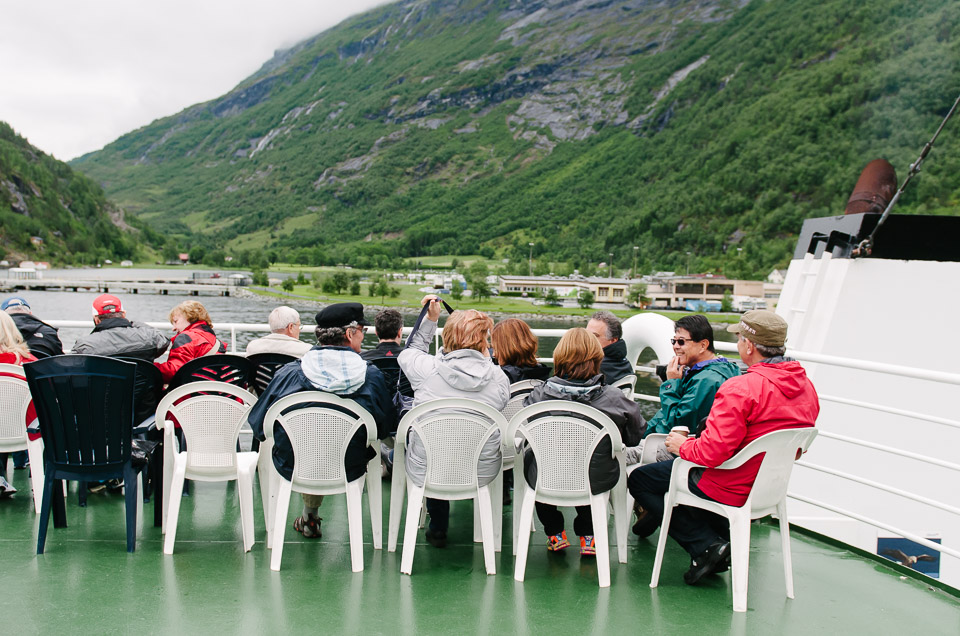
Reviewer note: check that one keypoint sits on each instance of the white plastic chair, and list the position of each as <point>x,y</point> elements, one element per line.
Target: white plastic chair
<point>768,496</point>
<point>453,432</point>
<point>14,400</point>
<point>518,393</point>
<point>563,439</point>
<point>210,415</point>
<point>320,426</point>
<point>627,384</point>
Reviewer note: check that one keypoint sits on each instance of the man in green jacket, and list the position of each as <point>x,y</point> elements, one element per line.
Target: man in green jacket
<point>693,377</point>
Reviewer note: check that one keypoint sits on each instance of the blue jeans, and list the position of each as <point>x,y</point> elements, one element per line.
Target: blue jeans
<point>694,529</point>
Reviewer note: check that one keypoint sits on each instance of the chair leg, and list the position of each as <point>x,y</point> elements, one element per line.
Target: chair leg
<point>264,475</point>
<point>621,517</point>
<point>522,540</point>
<point>486,526</point>
<point>496,501</point>
<point>355,522</point>
<point>375,503</point>
<point>397,492</point>
<point>173,512</point>
<point>48,486</point>
<point>662,540</point>
<point>519,490</point>
<point>414,504</point>
<point>284,489</point>
<point>82,494</point>
<point>739,559</point>
<point>35,453</point>
<point>598,510</point>
<point>169,457</point>
<point>131,495</point>
<point>785,546</point>
<point>245,492</point>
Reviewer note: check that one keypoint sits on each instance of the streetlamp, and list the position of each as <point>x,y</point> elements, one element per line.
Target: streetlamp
<point>688,263</point>
<point>531,257</point>
<point>610,266</point>
<point>635,250</point>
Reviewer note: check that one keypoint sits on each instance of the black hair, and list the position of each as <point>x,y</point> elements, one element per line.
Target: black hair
<point>699,328</point>
<point>388,323</point>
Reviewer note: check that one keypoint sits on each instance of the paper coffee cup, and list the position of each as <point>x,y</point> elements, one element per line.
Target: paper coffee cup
<point>680,429</point>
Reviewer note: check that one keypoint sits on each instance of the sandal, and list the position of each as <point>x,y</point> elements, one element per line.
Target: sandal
<point>309,527</point>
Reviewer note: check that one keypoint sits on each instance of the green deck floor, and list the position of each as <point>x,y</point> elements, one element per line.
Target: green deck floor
<point>86,583</point>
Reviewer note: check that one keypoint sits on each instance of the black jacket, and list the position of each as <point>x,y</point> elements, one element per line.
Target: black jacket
<point>625,413</point>
<point>615,364</point>
<point>515,373</point>
<point>373,395</point>
<point>384,357</point>
<point>41,338</point>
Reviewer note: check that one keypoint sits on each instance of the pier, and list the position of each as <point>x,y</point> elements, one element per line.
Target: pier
<point>161,287</point>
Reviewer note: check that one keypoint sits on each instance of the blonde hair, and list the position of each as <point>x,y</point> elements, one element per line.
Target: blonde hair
<point>578,355</point>
<point>192,311</point>
<point>514,343</point>
<point>466,329</point>
<point>10,339</point>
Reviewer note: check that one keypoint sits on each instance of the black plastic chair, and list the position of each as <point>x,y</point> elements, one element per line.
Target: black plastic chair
<point>226,367</point>
<point>85,409</point>
<point>147,393</point>
<point>265,366</point>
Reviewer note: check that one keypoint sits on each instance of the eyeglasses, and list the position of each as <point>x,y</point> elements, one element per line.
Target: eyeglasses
<point>681,341</point>
<point>362,330</point>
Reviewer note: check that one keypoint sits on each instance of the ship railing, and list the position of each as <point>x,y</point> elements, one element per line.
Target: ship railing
<point>726,347</point>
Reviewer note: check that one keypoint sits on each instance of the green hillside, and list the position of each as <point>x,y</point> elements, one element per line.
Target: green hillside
<point>51,212</point>
<point>471,126</point>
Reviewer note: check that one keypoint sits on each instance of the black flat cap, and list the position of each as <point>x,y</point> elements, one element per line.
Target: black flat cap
<point>341,315</point>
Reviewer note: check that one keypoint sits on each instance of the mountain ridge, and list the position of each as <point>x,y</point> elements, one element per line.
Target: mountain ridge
<point>425,126</point>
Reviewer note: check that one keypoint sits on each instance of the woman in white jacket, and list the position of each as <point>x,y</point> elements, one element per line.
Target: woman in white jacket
<point>462,369</point>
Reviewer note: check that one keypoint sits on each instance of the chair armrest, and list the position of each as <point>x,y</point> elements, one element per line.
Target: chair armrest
<point>147,425</point>
<point>680,476</point>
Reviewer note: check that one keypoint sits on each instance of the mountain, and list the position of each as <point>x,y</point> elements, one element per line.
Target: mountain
<point>51,212</point>
<point>695,130</point>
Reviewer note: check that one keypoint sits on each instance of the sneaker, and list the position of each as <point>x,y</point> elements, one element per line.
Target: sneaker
<point>436,538</point>
<point>6,490</point>
<point>713,560</point>
<point>309,527</point>
<point>587,545</point>
<point>557,542</point>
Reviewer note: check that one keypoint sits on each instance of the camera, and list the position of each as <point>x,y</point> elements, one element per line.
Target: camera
<point>661,372</point>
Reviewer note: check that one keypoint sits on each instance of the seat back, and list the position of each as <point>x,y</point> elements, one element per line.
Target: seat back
<point>779,450</point>
<point>453,432</point>
<point>319,426</point>
<point>85,408</point>
<point>563,435</point>
<point>147,388</point>
<point>518,393</point>
<point>225,367</point>
<point>264,367</point>
<point>14,400</point>
<point>627,384</point>
<point>210,415</point>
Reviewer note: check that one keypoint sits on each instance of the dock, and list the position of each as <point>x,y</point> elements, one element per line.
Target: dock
<point>161,287</point>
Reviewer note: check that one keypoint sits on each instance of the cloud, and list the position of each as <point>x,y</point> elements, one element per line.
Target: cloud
<point>77,75</point>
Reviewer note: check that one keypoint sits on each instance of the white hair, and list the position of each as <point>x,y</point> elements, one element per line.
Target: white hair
<point>282,317</point>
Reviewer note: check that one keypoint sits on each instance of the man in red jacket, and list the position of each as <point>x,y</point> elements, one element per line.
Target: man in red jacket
<point>773,394</point>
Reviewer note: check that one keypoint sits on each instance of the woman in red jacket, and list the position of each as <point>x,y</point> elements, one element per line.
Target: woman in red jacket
<point>13,351</point>
<point>194,337</point>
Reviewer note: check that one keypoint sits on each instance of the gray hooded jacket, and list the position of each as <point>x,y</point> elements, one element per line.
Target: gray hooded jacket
<point>459,374</point>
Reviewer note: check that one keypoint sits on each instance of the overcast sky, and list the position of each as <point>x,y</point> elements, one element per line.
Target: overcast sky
<point>77,74</point>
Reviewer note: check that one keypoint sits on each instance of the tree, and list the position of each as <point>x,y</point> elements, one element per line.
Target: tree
<point>340,282</point>
<point>260,278</point>
<point>355,287</point>
<point>169,253</point>
<point>287,284</point>
<point>727,303</point>
<point>301,279</point>
<point>481,289</point>
<point>637,295</point>
<point>455,263</point>
<point>552,298</point>
<point>328,286</point>
<point>585,300</point>
<point>456,290</point>
<point>478,271</point>
<point>196,254</point>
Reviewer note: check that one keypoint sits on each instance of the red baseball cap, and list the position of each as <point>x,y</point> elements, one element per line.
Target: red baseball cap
<point>106,304</point>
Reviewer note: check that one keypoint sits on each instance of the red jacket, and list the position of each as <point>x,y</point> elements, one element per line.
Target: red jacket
<point>11,358</point>
<point>193,342</point>
<point>768,397</point>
